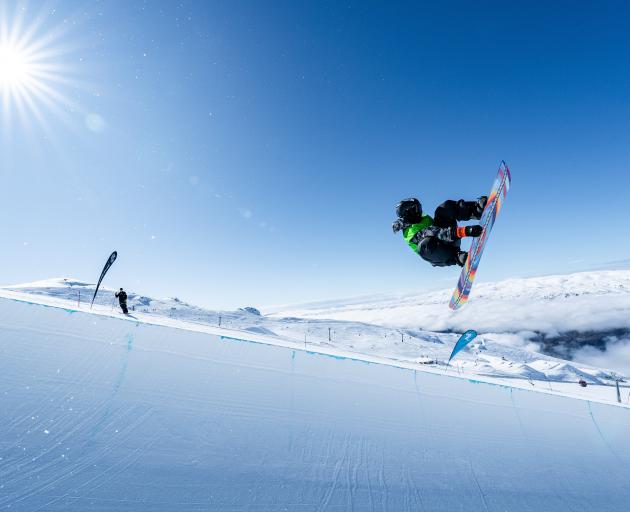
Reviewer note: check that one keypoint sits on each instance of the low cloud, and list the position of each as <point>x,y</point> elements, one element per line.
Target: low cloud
<point>615,356</point>
<point>520,340</point>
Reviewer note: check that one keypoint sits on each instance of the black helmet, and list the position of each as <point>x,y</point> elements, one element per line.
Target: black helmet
<point>409,210</point>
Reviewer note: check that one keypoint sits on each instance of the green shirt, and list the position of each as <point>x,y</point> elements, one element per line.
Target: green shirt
<point>410,231</point>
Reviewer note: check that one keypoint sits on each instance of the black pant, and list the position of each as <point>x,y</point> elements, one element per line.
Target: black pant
<point>123,306</point>
<point>438,252</point>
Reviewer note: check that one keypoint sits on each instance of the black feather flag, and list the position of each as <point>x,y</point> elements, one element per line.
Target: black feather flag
<point>110,262</point>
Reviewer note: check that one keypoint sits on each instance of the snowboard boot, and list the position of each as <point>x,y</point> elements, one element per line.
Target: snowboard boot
<point>466,231</point>
<point>479,207</point>
<point>462,256</point>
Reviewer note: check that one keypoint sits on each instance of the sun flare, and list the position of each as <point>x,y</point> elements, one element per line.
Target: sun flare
<point>34,69</point>
<point>15,70</point>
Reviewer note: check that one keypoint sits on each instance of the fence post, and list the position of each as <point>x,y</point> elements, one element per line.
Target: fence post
<point>618,391</point>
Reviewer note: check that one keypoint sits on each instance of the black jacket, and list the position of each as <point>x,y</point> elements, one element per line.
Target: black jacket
<point>122,296</point>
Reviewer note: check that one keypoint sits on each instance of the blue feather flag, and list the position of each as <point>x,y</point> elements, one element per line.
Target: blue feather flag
<point>464,340</point>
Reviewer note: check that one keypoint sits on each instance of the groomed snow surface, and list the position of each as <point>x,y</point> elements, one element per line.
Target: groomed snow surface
<point>165,410</point>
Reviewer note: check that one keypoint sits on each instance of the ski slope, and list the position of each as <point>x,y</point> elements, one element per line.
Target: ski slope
<point>105,412</point>
<point>491,355</point>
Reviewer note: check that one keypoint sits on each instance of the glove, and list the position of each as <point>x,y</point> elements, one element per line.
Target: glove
<point>397,225</point>
<point>444,234</point>
<point>464,231</point>
<point>448,235</point>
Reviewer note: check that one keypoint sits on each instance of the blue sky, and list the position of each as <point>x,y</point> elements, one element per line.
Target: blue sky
<point>251,153</point>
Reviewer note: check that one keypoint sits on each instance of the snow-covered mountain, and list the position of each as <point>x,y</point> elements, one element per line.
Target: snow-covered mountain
<point>581,316</point>
<point>341,327</point>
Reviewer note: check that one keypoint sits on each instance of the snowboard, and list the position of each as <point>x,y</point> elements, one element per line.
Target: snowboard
<point>493,207</point>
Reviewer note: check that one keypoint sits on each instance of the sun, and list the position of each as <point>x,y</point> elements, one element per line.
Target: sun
<point>35,75</point>
<point>15,69</point>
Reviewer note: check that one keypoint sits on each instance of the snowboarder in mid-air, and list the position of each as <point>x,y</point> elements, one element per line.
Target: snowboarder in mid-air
<point>438,239</point>
<point>122,299</point>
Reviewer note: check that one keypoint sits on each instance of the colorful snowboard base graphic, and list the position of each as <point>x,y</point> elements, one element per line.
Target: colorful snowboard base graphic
<point>493,207</point>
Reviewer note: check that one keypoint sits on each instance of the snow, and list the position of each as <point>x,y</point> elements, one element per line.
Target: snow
<point>554,310</point>
<point>491,356</point>
<point>547,304</point>
<point>165,410</point>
